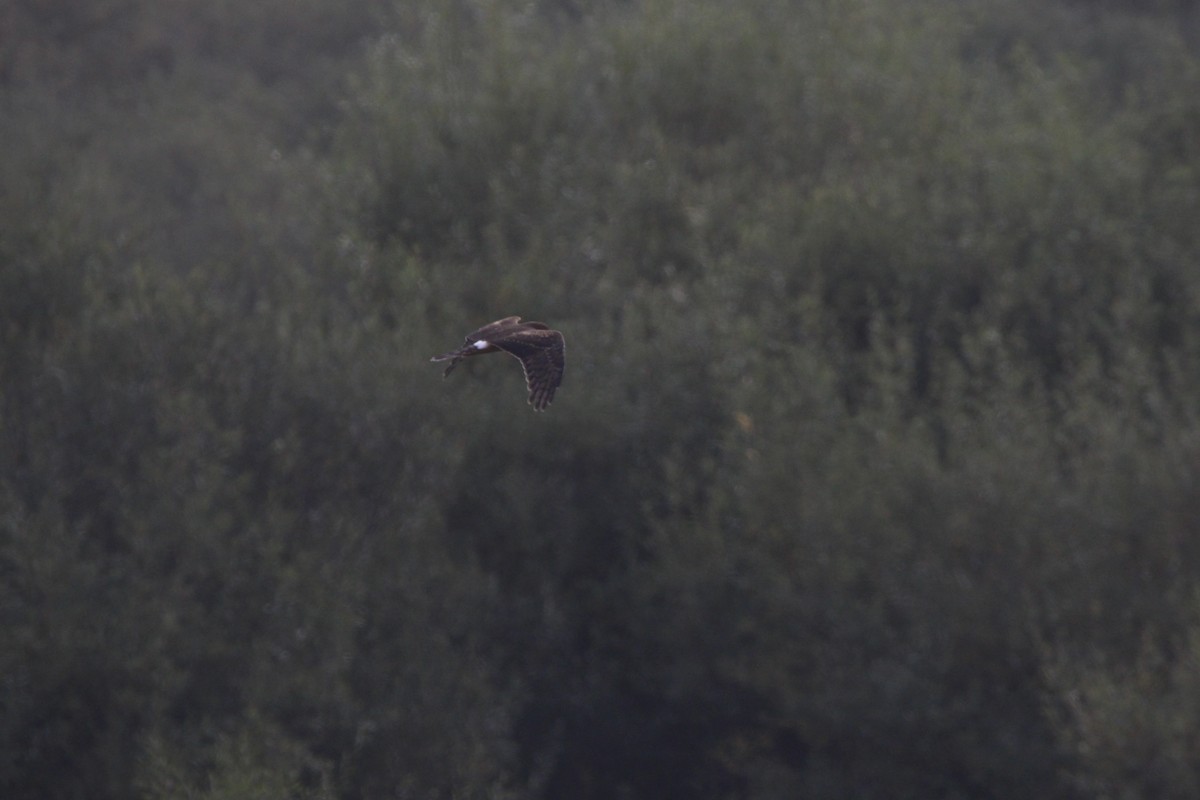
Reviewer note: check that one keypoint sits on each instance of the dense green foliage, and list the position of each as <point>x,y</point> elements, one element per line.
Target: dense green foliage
<point>875,472</point>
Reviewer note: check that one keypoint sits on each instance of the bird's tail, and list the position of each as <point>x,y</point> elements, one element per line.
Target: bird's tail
<point>453,358</point>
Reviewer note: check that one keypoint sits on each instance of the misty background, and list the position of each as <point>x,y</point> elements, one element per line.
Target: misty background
<point>875,471</point>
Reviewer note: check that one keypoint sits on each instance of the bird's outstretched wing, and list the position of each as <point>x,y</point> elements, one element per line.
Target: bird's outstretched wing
<point>491,331</point>
<point>541,352</point>
<point>486,333</point>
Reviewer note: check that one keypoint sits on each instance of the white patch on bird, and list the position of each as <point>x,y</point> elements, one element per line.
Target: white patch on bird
<point>480,345</point>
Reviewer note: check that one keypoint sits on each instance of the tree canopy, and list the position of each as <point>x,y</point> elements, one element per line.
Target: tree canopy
<point>875,471</point>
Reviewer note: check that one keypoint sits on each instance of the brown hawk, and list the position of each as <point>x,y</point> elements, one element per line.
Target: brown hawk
<point>539,349</point>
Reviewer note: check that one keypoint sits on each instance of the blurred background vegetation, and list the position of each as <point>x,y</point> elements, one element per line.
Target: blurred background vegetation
<point>875,472</point>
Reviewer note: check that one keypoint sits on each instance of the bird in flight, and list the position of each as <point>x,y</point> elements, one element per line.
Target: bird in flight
<point>538,347</point>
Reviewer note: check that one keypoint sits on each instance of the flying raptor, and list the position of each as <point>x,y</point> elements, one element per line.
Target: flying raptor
<point>538,347</point>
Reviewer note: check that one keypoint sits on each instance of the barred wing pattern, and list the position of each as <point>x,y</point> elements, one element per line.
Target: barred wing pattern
<point>541,352</point>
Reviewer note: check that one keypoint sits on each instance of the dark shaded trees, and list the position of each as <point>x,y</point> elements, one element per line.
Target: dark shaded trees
<point>874,469</point>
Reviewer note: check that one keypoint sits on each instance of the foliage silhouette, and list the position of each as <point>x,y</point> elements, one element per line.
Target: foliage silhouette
<point>873,472</point>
